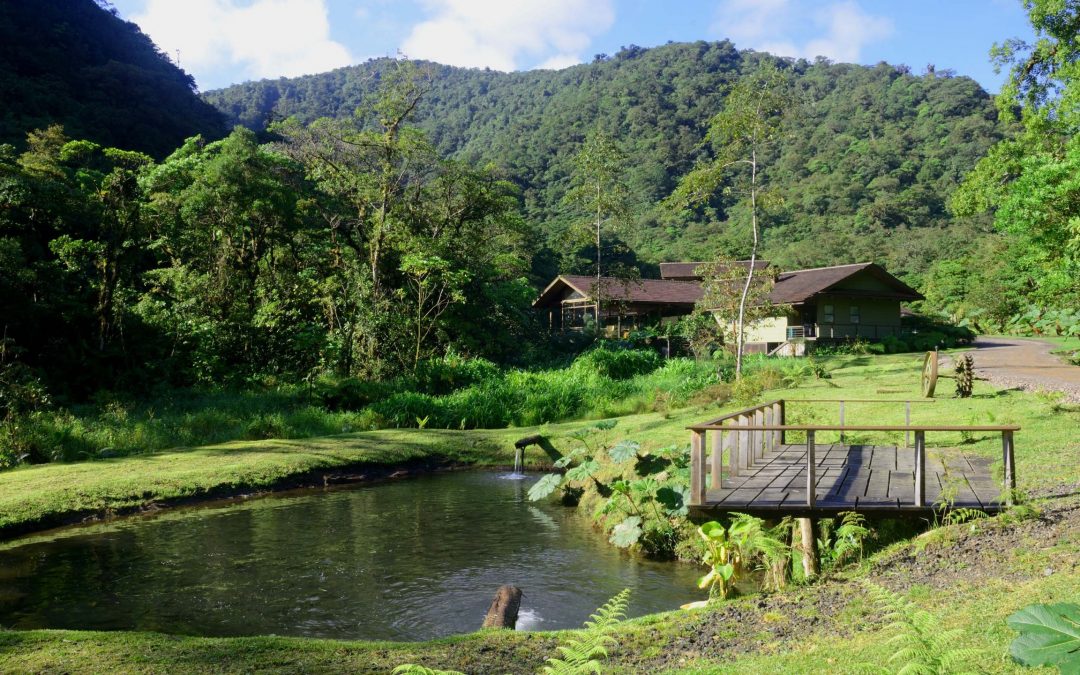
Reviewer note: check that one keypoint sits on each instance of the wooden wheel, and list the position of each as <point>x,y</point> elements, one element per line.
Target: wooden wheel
<point>929,374</point>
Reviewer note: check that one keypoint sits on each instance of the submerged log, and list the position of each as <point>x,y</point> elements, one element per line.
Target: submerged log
<point>503,612</point>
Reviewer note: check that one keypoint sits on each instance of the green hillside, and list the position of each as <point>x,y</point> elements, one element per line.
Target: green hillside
<point>870,157</point>
<point>75,63</point>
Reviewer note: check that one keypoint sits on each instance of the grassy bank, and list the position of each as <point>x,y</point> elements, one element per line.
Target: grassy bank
<point>970,576</point>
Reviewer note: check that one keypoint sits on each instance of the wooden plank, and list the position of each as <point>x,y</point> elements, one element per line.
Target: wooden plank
<point>902,486</point>
<point>697,467</point>
<point>741,496</point>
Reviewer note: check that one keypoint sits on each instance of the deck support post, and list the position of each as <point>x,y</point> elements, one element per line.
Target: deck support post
<point>1010,467</point>
<point>715,480</point>
<point>920,468</point>
<point>808,544</point>
<point>811,470</point>
<point>697,467</point>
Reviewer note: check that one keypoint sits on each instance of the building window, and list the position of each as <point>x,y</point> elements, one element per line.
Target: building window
<point>854,314</point>
<point>827,314</point>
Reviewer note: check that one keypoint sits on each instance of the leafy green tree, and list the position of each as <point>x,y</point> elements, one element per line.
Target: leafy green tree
<point>232,243</point>
<point>1030,182</point>
<point>370,171</point>
<point>742,134</point>
<point>433,286</point>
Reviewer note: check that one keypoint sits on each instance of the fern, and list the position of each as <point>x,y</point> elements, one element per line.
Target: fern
<point>962,515</point>
<point>921,645</point>
<point>582,652</point>
<point>849,537</point>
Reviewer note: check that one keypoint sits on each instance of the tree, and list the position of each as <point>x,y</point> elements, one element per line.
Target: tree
<point>598,189</point>
<point>742,134</point>
<point>1031,182</point>
<point>370,172</point>
<point>227,289</point>
<point>727,301</point>
<point>434,286</point>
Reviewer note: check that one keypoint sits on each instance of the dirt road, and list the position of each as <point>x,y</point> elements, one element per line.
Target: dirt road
<point>1027,364</point>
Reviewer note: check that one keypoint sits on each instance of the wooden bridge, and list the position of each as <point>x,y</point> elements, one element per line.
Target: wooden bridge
<point>769,474</point>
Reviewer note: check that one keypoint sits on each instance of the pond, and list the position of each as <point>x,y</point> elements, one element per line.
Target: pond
<point>411,559</point>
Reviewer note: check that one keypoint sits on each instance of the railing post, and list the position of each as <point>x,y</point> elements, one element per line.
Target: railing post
<point>732,443</point>
<point>920,468</point>
<point>1010,466</point>
<point>715,480</point>
<point>811,470</point>
<point>841,421</point>
<point>907,423</point>
<point>697,467</point>
<point>758,436</point>
<point>783,434</point>
<point>777,422</point>
<point>768,436</point>
<point>744,444</point>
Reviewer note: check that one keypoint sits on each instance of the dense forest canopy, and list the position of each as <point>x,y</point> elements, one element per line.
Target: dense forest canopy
<point>377,215</point>
<point>75,63</point>
<point>864,173</point>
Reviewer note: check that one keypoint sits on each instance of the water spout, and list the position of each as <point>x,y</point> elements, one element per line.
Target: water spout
<point>519,461</point>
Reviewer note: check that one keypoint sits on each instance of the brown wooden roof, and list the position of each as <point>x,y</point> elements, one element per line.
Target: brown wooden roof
<point>791,287</point>
<point>801,285</point>
<point>654,291</point>
<point>687,270</point>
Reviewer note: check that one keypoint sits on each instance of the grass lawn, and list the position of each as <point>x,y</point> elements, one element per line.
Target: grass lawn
<point>971,576</point>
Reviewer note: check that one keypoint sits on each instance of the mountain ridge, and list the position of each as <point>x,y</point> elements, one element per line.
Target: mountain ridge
<point>865,174</point>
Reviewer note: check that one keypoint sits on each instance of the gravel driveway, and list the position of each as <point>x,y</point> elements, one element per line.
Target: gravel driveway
<point>1027,364</point>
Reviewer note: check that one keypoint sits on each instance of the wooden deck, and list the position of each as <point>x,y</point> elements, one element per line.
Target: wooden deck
<point>767,474</point>
<point>865,478</point>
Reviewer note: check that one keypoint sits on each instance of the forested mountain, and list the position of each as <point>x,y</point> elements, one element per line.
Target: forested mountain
<point>75,63</point>
<point>868,162</point>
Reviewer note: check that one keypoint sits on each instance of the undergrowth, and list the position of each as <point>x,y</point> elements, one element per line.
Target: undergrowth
<point>451,392</point>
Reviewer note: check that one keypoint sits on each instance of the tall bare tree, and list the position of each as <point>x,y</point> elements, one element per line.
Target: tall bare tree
<point>741,135</point>
<point>598,189</point>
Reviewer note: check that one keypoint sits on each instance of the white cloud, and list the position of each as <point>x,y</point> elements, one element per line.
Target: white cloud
<point>498,34</point>
<point>842,28</point>
<point>265,38</point>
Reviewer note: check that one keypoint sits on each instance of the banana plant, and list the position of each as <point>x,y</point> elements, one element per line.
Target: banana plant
<point>729,551</point>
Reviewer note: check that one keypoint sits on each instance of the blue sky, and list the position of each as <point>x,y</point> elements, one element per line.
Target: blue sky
<point>221,42</point>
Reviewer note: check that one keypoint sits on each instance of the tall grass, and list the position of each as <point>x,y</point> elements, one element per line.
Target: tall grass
<point>448,393</point>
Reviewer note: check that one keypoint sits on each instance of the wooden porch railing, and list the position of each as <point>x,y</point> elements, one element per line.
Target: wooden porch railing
<point>750,433</point>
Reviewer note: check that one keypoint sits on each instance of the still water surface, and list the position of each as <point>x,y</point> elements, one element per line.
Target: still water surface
<point>406,560</point>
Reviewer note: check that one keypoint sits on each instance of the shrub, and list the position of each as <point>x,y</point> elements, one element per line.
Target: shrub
<point>405,408</point>
<point>449,373</point>
<point>619,364</point>
<point>894,345</point>
<point>351,393</point>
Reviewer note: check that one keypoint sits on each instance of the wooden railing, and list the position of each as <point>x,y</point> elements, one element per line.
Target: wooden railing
<point>743,444</point>
<point>748,434</point>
